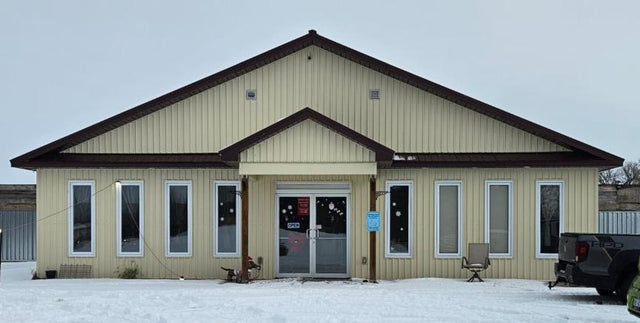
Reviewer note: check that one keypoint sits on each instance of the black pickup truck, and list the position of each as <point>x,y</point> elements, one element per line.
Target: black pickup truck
<point>608,262</point>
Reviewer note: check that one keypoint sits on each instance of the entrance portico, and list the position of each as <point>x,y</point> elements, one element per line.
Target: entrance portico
<point>313,214</point>
<point>319,236</point>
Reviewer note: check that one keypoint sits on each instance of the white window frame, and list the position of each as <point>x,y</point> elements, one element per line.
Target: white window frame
<point>487,215</point>
<point>387,219</point>
<point>539,184</point>
<point>73,183</point>
<point>238,209</point>
<point>167,233</point>
<point>119,251</point>
<point>438,184</point>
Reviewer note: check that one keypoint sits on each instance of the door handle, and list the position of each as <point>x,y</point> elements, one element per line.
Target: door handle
<point>310,236</point>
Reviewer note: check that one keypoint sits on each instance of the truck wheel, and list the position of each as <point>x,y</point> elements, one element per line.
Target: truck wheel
<point>623,287</point>
<point>604,292</point>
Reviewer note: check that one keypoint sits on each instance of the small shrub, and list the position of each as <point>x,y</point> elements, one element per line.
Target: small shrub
<point>129,272</point>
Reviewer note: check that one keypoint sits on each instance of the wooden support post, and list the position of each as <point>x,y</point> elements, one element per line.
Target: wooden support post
<point>244,196</point>
<point>372,235</point>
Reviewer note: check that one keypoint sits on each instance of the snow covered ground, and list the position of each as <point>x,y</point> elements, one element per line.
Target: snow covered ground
<point>415,300</point>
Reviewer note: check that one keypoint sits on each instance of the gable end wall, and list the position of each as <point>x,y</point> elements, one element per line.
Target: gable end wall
<point>405,119</point>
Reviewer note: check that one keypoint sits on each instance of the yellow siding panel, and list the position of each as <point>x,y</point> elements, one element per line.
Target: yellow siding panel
<point>307,168</point>
<point>52,243</point>
<point>405,118</point>
<point>307,142</point>
<point>580,215</point>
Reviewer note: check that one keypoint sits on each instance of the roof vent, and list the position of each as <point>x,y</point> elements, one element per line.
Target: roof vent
<point>374,94</point>
<point>252,94</point>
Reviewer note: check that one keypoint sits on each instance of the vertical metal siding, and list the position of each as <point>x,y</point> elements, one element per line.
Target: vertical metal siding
<point>52,241</point>
<point>580,215</point>
<point>307,142</point>
<point>18,235</point>
<point>619,222</point>
<point>404,118</point>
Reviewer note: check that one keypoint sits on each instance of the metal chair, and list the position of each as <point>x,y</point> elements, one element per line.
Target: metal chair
<point>477,260</point>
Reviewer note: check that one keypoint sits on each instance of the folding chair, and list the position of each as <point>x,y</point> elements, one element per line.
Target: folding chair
<point>477,260</point>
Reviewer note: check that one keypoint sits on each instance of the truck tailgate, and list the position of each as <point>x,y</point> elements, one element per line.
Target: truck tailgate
<point>567,248</point>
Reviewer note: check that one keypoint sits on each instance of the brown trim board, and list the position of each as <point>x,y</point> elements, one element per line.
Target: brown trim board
<point>128,161</point>
<point>232,153</point>
<point>400,160</point>
<point>492,160</point>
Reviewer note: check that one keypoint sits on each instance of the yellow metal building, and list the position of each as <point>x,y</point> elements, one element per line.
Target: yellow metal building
<point>280,158</point>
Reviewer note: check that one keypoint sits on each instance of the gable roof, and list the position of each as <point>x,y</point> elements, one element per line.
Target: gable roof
<point>232,153</point>
<point>29,160</point>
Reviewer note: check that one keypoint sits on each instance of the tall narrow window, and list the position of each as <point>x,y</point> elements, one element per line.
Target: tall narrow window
<point>549,217</point>
<point>82,218</point>
<point>178,218</point>
<point>448,219</point>
<point>399,217</point>
<point>498,218</point>
<point>129,218</point>
<point>227,218</point>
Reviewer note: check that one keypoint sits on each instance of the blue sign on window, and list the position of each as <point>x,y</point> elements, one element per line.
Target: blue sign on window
<point>373,221</point>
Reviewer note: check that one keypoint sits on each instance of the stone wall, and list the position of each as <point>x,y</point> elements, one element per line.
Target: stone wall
<point>619,198</point>
<point>17,197</point>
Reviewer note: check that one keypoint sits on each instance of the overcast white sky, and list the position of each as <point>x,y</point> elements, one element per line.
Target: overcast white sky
<point>572,66</point>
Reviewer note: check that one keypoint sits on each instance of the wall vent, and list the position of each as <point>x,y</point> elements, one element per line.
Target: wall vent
<point>374,94</point>
<point>252,94</point>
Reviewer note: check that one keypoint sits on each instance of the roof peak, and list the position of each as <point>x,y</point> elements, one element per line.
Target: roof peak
<point>312,38</point>
<point>232,152</point>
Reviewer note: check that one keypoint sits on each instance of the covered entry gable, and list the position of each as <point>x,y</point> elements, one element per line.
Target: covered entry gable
<point>307,142</point>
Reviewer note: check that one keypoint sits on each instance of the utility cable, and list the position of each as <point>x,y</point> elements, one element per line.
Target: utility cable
<point>56,213</point>
<point>5,230</point>
<point>144,241</point>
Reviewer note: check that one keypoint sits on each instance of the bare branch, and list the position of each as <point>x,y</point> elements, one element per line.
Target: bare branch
<point>609,176</point>
<point>630,173</point>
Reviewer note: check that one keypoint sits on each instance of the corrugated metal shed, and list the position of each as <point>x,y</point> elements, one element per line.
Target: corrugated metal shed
<point>18,222</point>
<point>621,222</point>
<point>18,235</point>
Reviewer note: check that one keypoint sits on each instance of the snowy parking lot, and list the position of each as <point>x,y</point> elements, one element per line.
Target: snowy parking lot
<point>414,300</point>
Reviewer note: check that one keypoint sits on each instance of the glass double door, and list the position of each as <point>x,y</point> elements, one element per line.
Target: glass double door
<point>312,235</point>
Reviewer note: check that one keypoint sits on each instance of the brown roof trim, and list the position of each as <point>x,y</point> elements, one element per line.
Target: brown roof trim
<point>231,153</point>
<point>464,100</point>
<point>400,160</point>
<point>490,160</point>
<point>128,161</point>
<point>165,100</point>
<point>312,38</point>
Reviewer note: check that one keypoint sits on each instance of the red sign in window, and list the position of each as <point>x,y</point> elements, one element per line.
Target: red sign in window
<point>303,206</point>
